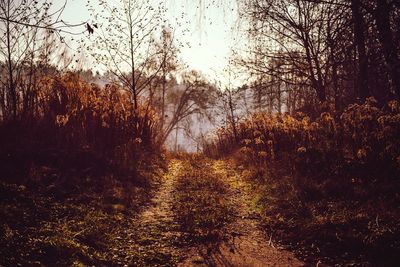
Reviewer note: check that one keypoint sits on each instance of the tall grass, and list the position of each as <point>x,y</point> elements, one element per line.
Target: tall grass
<point>361,143</point>
<point>76,125</point>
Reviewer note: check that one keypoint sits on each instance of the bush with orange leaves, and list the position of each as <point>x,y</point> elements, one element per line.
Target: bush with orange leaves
<point>363,142</point>
<point>89,116</point>
<point>328,184</point>
<point>73,118</point>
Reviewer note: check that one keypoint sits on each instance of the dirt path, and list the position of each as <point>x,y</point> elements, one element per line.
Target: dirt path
<point>158,235</point>
<point>157,232</point>
<point>246,245</point>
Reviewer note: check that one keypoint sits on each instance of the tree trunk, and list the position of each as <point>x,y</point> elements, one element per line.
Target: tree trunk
<point>316,82</point>
<point>334,66</point>
<point>232,116</point>
<point>11,85</point>
<point>164,82</point>
<point>359,40</point>
<point>382,17</point>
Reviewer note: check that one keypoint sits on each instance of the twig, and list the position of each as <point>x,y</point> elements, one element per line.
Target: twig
<point>270,243</point>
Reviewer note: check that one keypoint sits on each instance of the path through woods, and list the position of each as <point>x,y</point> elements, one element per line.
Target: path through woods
<point>158,233</point>
<point>246,244</point>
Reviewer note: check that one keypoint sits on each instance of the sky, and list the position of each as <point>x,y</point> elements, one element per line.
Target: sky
<point>210,30</point>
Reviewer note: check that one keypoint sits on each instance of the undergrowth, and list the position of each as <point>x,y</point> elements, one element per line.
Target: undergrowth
<point>52,227</point>
<point>327,185</point>
<point>359,230</point>
<point>201,206</point>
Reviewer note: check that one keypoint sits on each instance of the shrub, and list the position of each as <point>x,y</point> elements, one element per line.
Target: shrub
<point>361,143</point>
<point>77,128</point>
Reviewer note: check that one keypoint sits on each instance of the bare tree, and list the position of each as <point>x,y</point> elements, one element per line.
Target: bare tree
<point>294,26</point>
<point>124,39</point>
<point>167,62</point>
<point>24,27</point>
<point>390,48</point>
<point>192,96</point>
<point>359,40</point>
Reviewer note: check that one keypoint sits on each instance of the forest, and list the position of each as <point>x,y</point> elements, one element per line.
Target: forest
<point>116,149</point>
